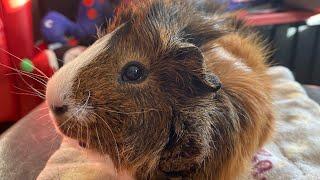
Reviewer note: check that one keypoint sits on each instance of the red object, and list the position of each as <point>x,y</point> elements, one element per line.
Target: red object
<point>9,105</point>
<point>92,14</point>
<point>73,42</point>
<point>17,20</point>
<point>88,3</point>
<point>39,47</point>
<point>46,61</point>
<point>275,18</point>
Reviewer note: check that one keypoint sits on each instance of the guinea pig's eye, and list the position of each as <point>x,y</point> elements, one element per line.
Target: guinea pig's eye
<point>133,72</point>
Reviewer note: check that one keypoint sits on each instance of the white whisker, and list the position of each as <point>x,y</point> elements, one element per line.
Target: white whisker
<point>115,142</point>
<point>22,60</point>
<point>26,91</point>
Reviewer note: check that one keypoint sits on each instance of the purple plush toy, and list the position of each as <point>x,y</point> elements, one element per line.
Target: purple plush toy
<point>55,27</point>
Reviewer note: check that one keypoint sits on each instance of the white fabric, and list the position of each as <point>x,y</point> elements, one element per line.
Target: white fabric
<point>294,152</point>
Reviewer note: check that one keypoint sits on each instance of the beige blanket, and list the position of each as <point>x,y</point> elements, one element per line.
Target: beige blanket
<point>294,152</point>
<point>71,162</point>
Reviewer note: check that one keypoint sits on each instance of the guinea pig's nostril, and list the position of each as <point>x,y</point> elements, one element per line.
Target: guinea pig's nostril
<point>59,110</point>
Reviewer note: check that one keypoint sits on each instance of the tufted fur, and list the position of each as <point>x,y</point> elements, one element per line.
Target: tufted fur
<point>177,122</point>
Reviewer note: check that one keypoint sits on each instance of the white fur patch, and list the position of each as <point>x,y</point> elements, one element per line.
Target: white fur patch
<point>61,82</point>
<point>59,86</point>
<point>224,54</point>
<point>72,53</point>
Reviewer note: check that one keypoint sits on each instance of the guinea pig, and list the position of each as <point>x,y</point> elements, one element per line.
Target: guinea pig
<point>171,89</point>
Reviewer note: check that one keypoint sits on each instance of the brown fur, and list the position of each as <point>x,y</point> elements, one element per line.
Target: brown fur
<point>175,123</point>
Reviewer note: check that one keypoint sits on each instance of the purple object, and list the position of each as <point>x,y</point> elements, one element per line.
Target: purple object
<point>55,27</point>
<point>92,16</point>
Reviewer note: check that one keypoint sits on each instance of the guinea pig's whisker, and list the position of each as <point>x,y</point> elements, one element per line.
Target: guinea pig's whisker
<point>42,109</point>
<point>73,115</point>
<point>42,77</point>
<point>37,48</point>
<point>31,87</point>
<point>22,60</point>
<point>42,82</point>
<point>70,126</point>
<point>19,72</point>
<point>54,139</point>
<point>110,130</point>
<point>79,81</point>
<point>84,106</point>
<point>66,121</point>
<point>77,137</point>
<point>23,90</point>
<point>39,77</point>
<point>99,142</point>
<point>26,92</point>
<point>105,157</point>
<point>49,123</point>
<point>87,101</point>
<point>81,138</point>
<point>127,113</point>
<point>39,118</point>
<point>88,137</point>
<point>24,81</point>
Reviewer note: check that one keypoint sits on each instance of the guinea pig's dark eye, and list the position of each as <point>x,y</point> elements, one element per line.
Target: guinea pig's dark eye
<point>133,72</point>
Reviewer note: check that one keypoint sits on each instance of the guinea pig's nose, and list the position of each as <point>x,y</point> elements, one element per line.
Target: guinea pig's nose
<point>59,110</point>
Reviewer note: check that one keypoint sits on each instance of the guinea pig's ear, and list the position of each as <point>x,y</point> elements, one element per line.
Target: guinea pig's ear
<point>201,81</point>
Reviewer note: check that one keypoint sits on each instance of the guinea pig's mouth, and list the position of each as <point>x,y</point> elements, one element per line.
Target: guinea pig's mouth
<point>73,121</point>
<point>81,125</point>
<point>72,128</point>
<point>79,130</point>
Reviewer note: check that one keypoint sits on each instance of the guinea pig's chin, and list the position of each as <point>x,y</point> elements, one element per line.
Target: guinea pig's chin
<point>73,126</point>
<point>70,128</point>
<point>62,125</point>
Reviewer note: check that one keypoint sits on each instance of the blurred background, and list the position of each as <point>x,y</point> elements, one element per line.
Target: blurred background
<point>38,36</point>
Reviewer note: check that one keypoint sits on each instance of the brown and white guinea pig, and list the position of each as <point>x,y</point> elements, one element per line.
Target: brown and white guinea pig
<point>172,89</point>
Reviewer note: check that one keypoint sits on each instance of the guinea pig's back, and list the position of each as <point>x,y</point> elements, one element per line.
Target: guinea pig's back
<point>240,63</point>
<point>239,56</point>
